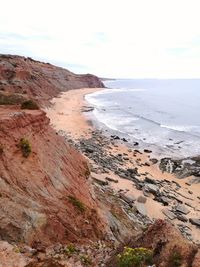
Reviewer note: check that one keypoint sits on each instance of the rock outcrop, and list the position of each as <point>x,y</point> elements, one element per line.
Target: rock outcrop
<point>167,244</point>
<point>38,80</point>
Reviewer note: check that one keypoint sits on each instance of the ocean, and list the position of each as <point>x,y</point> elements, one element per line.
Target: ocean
<point>158,113</point>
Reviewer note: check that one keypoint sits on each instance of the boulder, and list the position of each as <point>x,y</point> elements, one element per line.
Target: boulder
<point>182,208</point>
<point>140,207</point>
<point>141,199</point>
<point>127,198</point>
<point>182,218</point>
<point>151,188</point>
<point>111,180</point>
<point>100,182</point>
<point>147,151</point>
<point>195,221</point>
<point>169,214</point>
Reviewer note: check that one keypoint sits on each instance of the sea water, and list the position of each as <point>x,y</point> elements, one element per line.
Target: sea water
<point>162,113</point>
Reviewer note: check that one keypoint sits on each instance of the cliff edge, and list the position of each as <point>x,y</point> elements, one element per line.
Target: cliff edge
<point>38,80</point>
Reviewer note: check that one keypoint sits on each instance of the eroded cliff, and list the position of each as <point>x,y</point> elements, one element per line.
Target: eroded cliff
<point>44,197</point>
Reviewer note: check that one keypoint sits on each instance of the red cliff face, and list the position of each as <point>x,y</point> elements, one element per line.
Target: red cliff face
<point>39,80</point>
<point>45,197</point>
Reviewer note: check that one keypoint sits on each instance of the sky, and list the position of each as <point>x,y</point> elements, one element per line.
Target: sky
<point>109,38</point>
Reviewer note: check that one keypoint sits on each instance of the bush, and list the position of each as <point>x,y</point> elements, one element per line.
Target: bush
<point>29,104</point>
<point>70,249</point>
<point>135,257</point>
<point>25,147</point>
<point>77,203</point>
<point>175,259</point>
<point>85,260</point>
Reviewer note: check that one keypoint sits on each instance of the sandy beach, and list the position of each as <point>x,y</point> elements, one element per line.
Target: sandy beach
<point>66,114</point>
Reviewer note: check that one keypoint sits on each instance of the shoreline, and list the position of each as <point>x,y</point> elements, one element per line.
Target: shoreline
<point>68,117</point>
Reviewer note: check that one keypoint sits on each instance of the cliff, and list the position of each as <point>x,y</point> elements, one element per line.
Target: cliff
<point>44,196</point>
<point>38,80</point>
<point>47,201</point>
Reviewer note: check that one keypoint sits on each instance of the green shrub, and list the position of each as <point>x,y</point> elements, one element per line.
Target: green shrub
<point>70,249</point>
<point>85,260</point>
<point>135,257</point>
<point>77,203</point>
<point>175,259</point>
<point>29,104</point>
<point>25,147</point>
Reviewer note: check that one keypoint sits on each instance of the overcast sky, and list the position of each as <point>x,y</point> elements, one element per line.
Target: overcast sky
<point>110,38</point>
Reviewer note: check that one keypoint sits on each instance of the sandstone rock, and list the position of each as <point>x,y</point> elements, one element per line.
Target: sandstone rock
<point>169,214</point>
<point>111,180</point>
<point>182,218</point>
<point>127,198</point>
<point>181,208</point>
<point>151,188</point>
<point>99,181</point>
<point>140,207</point>
<point>195,221</point>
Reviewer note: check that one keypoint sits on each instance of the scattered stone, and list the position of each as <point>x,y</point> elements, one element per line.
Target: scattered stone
<point>165,200</point>
<point>111,180</point>
<point>169,214</point>
<point>182,218</point>
<point>195,221</point>
<point>135,143</point>
<point>115,137</point>
<point>154,161</point>
<point>151,188</point>
<point>127,199</point>
<point>100,182</point>
<point>140,207</point>
<point>150,180</point>
<point>142,199</point>
<point>147,151</point>
<point>181,208</point>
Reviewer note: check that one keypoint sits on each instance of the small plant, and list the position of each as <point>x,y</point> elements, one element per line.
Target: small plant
<point>29,104</point>
<point>16,249</point>
<point>70,249</point>
<point>175,259</point>
<point>25,147</point>
<point>135,257</point>
<point>85,260</point>
<point>77,203</point>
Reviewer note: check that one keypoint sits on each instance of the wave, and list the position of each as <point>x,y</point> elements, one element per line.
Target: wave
<point>191,129</point>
